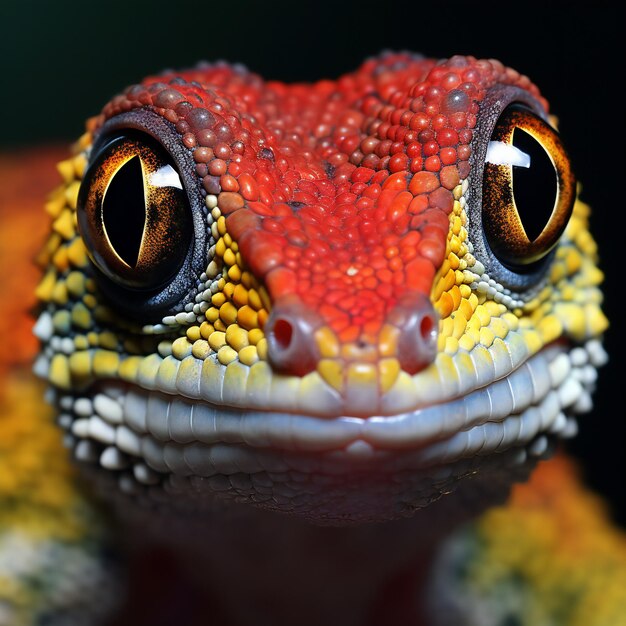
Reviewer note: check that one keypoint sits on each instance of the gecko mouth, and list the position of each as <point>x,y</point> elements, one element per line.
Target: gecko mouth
<point>149,434</point>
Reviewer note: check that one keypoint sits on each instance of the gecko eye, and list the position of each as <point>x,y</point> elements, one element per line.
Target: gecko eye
<point>134,214</point>
<point>528,189</point>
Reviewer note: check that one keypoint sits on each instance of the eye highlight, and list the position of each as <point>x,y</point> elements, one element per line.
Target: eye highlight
<point>528,189</point>
<point>133,213</point>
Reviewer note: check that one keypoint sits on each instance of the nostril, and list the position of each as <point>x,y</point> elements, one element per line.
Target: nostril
<point>290,332</point>
<point>282,333</point>
<point>417,322</point>
<point>427,328</point>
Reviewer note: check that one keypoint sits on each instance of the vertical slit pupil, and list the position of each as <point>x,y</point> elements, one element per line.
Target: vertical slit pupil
<point>124,211</point>
<point>534,187</point>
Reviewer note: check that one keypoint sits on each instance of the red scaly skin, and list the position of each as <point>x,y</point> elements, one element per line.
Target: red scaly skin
<point>338,192</point>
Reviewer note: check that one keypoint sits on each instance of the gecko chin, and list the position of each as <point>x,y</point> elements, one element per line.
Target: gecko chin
<point>178,453</point>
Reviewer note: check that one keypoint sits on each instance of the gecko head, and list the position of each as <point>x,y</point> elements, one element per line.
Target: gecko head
<point>342,284</point>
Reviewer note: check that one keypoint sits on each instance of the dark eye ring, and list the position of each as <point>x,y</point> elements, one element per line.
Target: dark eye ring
<point>141,215</point>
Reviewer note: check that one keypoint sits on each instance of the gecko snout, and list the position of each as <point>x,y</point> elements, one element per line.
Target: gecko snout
<point>293,349</point>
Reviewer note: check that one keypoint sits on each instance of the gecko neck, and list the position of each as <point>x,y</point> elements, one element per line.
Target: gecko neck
<point>260,568</point>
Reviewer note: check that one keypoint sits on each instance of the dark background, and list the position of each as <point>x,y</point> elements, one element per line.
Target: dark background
<point>61,61</point>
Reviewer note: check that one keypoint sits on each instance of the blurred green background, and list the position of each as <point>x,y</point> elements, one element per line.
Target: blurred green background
<point>61,62</point>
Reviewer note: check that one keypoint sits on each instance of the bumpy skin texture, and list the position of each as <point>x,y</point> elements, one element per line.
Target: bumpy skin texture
<point>353,206</point>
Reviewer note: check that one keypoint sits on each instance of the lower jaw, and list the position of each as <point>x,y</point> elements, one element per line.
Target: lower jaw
<point>333,471</point>
<point>333,491</point>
